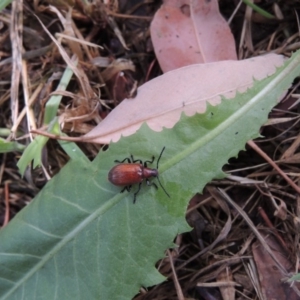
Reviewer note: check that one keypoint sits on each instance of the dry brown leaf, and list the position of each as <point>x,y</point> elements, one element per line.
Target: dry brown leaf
<point>189,32</point>
<point>228,292</point>
<point>161,101</point>
<point>270,276</point>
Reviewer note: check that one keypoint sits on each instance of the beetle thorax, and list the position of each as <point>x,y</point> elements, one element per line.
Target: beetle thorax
<point>147,172</point>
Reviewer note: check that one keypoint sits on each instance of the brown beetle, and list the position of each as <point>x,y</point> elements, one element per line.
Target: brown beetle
<point>133,172</point>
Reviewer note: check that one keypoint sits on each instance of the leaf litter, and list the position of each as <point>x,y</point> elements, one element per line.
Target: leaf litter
<point>222,255</point>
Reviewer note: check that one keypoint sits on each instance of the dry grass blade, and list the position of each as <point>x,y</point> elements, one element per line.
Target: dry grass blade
<point>175,279</point>
<point>80,75</point>
<point>17,41</point>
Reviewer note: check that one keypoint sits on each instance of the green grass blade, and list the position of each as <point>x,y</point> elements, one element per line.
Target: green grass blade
<point>258,9</point>
<point>6,146</point>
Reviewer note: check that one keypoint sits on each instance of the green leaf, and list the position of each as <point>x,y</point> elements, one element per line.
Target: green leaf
<point>6,146</point>
<point>34,150</point>
<point>4,3</point>
<point>83,239</point>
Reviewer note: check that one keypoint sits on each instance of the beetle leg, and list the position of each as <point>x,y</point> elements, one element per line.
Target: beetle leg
<point>149,183</point>
<point>134,196</point>
<point>126,188</point>
<point>136,160</point>
<point>149,161</point>
<point>120,162</point>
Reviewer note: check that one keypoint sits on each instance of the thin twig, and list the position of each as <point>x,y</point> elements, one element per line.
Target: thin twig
<point>274,165</point>
<point>175,279</point>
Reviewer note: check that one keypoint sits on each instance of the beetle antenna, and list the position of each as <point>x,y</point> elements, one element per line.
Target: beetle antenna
<point>163,149</point>
<point>163,187</point>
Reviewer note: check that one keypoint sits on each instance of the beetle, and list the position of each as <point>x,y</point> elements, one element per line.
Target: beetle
<point>135,171</point>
